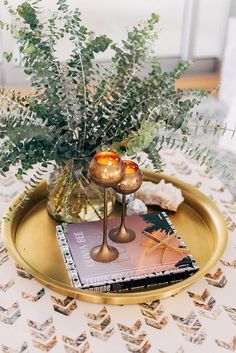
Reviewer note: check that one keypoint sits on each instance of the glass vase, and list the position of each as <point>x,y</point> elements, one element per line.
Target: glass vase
<point>73,197</point>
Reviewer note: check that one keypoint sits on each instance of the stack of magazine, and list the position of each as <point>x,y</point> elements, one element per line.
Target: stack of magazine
<point>141,264</point>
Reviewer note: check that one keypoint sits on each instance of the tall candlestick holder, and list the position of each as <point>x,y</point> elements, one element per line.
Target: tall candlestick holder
<point>130,183</point>
<point>106,169</point>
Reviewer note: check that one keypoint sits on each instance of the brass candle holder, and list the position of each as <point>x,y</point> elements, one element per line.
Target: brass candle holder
<point>130,183</point>
<point>106,169</point>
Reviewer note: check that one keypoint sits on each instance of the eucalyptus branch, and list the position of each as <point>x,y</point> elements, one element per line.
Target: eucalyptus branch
<point>208,125</point>
<point>80,106</point>
<point>203,155</point>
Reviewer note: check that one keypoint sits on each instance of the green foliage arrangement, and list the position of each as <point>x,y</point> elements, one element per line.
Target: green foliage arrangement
<point>78,106</point>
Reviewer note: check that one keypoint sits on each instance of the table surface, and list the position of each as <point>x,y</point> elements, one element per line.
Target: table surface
<point>201,318</point>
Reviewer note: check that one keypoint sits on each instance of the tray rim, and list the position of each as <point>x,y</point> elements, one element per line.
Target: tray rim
<point>123,298</point>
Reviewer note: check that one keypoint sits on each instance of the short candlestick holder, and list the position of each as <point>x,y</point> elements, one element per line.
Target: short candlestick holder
<point>130,183</point>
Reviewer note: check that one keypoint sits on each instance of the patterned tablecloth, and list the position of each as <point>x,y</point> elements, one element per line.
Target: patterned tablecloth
<point>200,319</point>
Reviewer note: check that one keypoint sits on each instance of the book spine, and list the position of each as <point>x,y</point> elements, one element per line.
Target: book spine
<point>145,282</point>
<point>131,275</point>
<point>67,256</point>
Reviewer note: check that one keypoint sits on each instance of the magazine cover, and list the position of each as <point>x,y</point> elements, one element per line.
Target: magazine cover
<point>135,262</point>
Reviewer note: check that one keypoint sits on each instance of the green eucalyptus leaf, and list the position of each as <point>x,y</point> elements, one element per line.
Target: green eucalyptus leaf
<point>7,56</point>
<point>28,13</point>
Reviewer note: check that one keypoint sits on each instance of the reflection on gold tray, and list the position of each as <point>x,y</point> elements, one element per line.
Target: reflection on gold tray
<point>31,240</point>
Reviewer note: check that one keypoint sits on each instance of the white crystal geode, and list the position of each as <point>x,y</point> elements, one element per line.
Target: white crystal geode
<point>165,195</point>
<point>128,198</point>
<point>136,207</point>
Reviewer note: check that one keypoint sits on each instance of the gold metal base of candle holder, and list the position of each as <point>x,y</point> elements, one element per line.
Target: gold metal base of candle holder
<point>122,235</point>
<point>104,253</point>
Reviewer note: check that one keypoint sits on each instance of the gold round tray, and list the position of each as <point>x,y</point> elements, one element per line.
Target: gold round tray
<point>30,238</point>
